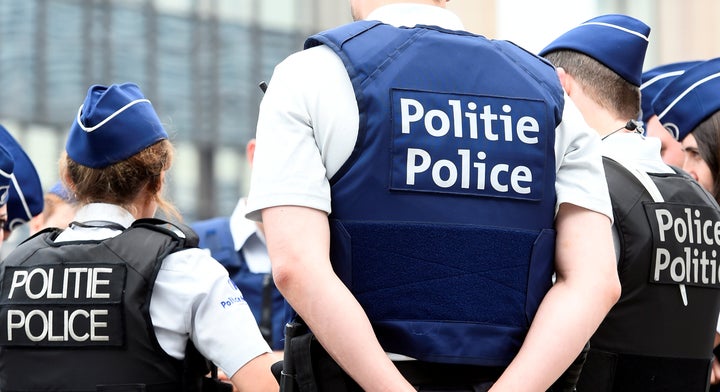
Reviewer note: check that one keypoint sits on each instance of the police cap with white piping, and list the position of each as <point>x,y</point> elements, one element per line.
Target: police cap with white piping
<point>617,41</point>
<point>689,99</point>
<point>25,198</point>
<point>6,170</point>
<point>113,124</point>
<point>655,79</point>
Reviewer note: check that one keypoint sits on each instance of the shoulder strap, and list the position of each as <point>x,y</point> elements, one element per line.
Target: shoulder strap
<point>50,232</point>
<point>641,176</point>
<point>180,232</point>
<point>336,36</point>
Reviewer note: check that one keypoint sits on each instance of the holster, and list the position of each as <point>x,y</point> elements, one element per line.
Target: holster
<point>612,371</point>
<point>307,367</point>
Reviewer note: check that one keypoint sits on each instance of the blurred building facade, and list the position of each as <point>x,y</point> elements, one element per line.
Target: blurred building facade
<point>682,30</point>
<point>200,61</point>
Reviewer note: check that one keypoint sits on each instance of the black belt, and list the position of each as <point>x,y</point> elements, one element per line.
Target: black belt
<point>420,373</point>
<point>607,371</point>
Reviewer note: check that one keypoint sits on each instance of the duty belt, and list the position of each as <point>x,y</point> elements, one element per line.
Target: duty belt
<point>607,371</point>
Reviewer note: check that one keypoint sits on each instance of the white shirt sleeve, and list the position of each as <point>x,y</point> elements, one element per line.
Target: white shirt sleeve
<point>307,128</point>
<point>580,173</point>
<point>218,320</point>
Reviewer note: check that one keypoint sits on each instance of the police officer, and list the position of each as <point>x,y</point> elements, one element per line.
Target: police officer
<point>25,199</point>
<point>688,108</point>
<point>653,80</point>
<point>408,175</point>
<point>119,301</point>
<point>59,207</point>
<point>659,335</point>
<point>6,171</point>
<point>697,127</point>
<point>239,245</point>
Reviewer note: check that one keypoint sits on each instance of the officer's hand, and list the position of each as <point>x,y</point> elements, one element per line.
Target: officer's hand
<point>715,374</point>
<point>224,378</point>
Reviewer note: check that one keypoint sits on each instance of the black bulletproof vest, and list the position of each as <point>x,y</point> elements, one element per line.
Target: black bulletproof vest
<point>75,315</point>
<point>651,340</point>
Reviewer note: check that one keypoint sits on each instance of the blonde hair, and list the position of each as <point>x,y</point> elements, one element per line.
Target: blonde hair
<point>122,182</point>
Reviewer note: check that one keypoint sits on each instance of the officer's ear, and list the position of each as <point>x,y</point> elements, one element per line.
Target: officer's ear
<point>155,184</point>
<point>565,79</point>
<point>250,151</point>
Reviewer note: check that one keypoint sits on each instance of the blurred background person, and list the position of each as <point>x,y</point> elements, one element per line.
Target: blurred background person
<point>689,108</point>
<point>6,171</point>
<point>25,200</point>
<point>653,80</point>
<point>59,208</point>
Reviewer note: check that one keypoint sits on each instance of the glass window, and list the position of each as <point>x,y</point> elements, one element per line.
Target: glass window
<point>129,44</point>
<point>279,14</point>
<point>65,59</point>
<point>230,171</point>
<point>235,11</point>
<point>176,97</point>
<point>174,7</point>
<point>235,69</point>
<point>199,61</point>
<point>17,58</point>
<point>182,180</point>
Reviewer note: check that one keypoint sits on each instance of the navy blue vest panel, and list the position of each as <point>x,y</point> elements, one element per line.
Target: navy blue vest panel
<point>651,336</point>
<point>81,309</point>
<point>264,299</point>
<point>442,218</point>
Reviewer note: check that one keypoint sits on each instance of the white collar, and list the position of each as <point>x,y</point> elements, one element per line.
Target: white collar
<point>242,228</point>
<point>637,149</point>
<point>104,212</point>
<point>409,15</point>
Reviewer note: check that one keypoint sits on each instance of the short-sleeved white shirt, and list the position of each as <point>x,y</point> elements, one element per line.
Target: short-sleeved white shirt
<point>641,151</point>
<point>193,297</point>
<point>308,126</point>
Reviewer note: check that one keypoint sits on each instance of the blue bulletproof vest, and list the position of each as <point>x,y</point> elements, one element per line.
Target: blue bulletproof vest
<point>442,218</point>
<point>258,289</point>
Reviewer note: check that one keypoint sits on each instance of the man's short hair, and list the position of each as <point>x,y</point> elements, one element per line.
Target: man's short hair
<point>605,87</point>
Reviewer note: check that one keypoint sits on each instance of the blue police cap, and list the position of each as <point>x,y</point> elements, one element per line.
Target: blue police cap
<point>617,41</point>
<point>689,99</point>
<point>6,171</point>
<point>113,124</point>
<point>655,79</point>
<point>60,191</point>
<point>25,199</point>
